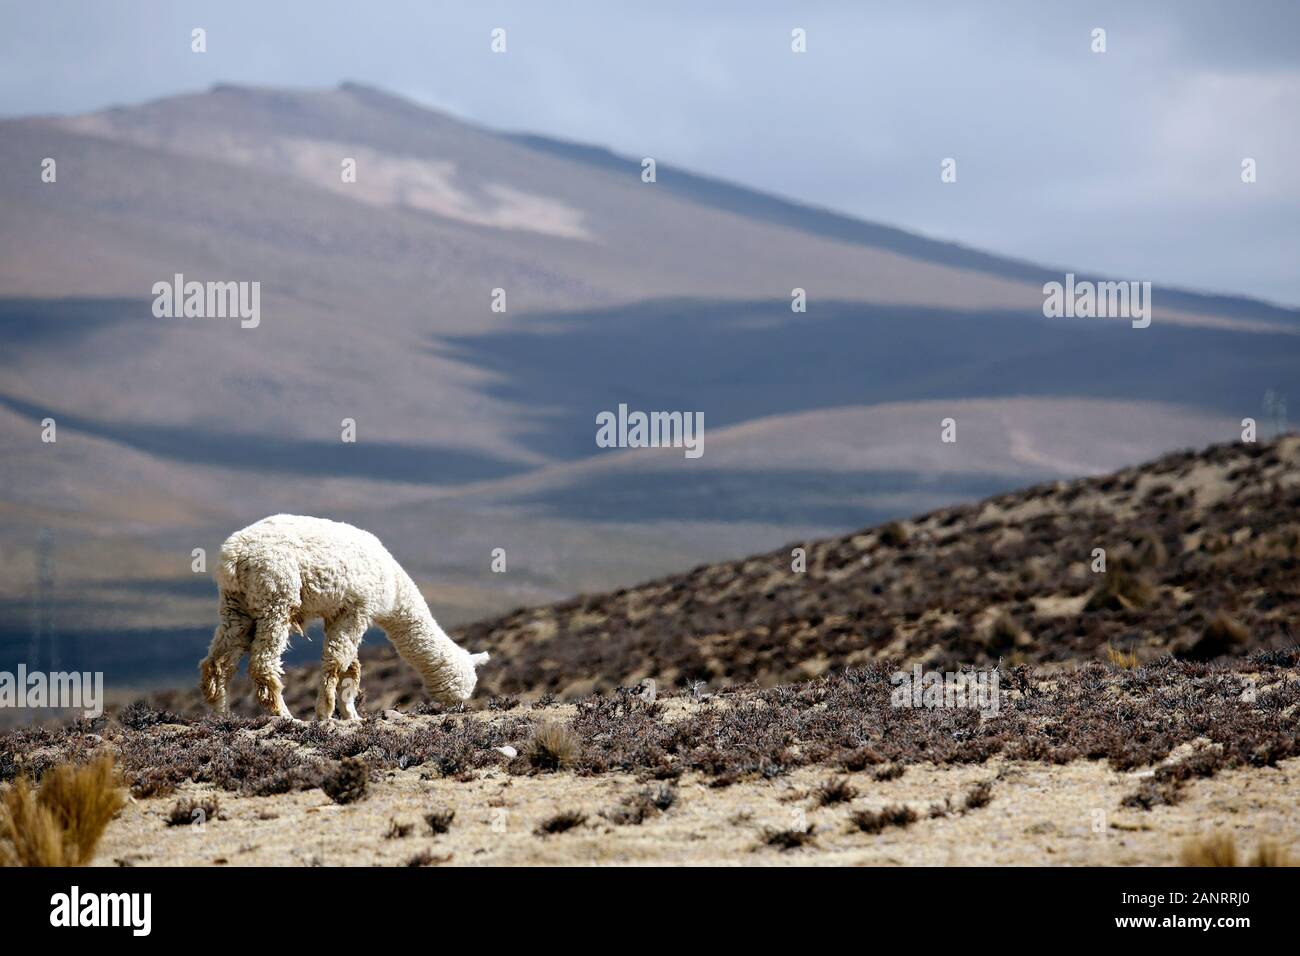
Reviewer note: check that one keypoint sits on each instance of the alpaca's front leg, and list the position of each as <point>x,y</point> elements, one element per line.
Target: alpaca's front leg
<point>264,667</point>
<point>339,664</point>
<point>349,685</point>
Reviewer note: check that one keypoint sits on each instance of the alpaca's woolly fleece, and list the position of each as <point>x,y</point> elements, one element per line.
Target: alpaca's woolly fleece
<point>282,571</point>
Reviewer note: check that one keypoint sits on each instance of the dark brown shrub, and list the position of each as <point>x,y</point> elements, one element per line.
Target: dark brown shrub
<point>789,839</point>
<point>1222,635</point>
<point>979,795</point>
<point>560,823</point>
<point>439,821</point>
<point>874,822</point>
<point>835,790</point>
<point>190,811</point>
<point>349,781</point>
<point>427,858</point>
<point>398,831</point>
<point>893,535</point>
<point>1003,634</point>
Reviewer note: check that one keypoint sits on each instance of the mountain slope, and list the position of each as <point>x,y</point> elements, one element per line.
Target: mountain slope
<point>475,427</point>
<point>1201,552</point>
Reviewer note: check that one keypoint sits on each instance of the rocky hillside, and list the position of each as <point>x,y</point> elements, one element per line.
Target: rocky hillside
<point>1200,548</point>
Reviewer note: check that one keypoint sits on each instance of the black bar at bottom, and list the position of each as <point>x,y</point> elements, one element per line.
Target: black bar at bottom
<point>305,904</point>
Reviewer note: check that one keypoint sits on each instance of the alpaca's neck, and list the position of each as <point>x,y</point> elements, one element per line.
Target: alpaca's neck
<point>416,635</point>
<point>409,610</point>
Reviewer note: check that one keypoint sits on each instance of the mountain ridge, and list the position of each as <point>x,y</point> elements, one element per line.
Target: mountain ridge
<point>474,426</point>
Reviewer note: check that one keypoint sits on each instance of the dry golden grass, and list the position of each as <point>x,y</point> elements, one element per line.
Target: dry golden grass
<point>1270,854</point>
<point>1124,660</point>
<point>29,835</point>
<point>1122,588</point>
<point>1220,849</point>
<point>60,823</point>
<point>553,746</point>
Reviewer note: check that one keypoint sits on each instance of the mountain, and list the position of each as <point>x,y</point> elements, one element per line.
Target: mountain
<point>475,428</point>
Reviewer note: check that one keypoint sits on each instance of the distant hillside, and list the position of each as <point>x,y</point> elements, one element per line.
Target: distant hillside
<point>475,428</point>
<point>1202,551</point>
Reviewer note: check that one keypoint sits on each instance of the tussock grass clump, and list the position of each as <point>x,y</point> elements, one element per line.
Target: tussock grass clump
<point>560,823</point>
<point>1220,849</point>
<point>1122,588</point>
<point>553,746</point>
<point>1269,854</point>
<point>835,790</point>
<point>59,824</point>
<point>188,812</point>
<point>890,771</point>
<point>439,821</point>
<point>1124,660</point>
<point>348,782</point>
<point>869,821</point>
<point>789,839</point>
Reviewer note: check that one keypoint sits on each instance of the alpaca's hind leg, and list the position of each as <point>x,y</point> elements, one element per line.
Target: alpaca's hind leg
<point>342,639</point>
<point>230,642</point>
<point>264,667</point>
<point>349,685</point>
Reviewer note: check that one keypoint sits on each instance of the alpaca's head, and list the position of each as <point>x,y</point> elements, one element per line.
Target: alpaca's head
<point>463,676</point>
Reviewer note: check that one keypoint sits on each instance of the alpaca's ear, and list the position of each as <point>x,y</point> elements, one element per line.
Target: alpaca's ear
<point>479,659</point>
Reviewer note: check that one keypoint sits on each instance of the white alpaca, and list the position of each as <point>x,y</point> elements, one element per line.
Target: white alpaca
<point>279,573</point>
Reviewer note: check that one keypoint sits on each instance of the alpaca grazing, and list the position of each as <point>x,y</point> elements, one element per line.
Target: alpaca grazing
<point>279,573</point>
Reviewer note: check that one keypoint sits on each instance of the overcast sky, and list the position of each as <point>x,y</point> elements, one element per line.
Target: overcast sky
<point>1127,162</point>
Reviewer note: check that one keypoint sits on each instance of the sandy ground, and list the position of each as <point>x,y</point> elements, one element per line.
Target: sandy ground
<point>1039,815</point>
